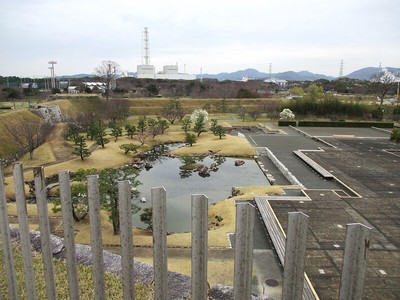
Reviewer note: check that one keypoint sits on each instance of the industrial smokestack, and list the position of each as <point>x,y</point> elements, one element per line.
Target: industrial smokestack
<point>146,47</point>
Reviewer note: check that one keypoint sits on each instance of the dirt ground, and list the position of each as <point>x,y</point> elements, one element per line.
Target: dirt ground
<point>62,149</point>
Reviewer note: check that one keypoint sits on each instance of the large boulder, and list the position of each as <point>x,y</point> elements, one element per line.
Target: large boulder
<point>239,162</point>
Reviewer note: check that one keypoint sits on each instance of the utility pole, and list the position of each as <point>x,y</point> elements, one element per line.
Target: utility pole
<point>270,70</point>
<point>53,80</point>
<point>341,69</point>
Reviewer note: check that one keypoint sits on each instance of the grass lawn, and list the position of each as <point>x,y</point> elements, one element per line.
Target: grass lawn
<point>228,146</point>
<point>113,284</point>
<point>8,144</point>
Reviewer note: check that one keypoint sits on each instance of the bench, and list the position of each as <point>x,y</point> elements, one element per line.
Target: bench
<point>320,170</point>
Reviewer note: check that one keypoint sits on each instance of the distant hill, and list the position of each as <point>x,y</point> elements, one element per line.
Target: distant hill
<point>363,74</point>
<point>82,75</point>
<point>370,72</point>
<point>302,75</point>
<point>255,74</point>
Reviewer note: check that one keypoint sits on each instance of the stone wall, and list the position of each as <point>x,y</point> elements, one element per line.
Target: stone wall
<point>50,114</point>
<point>284,170</point>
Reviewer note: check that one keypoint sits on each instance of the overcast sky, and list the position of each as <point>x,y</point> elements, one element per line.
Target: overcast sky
<point>215,35</point>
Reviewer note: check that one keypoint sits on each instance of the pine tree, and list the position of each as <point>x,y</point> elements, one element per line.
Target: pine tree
<point>190,138</point>
<point>101,138</point>
<point>81,149</point>
<point>219,131</point>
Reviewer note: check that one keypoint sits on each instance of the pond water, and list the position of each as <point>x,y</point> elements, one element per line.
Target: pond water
<point>180,186</point>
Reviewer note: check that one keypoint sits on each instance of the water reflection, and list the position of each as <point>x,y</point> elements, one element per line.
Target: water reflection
<point>192,164</point>
<point>181,184</point>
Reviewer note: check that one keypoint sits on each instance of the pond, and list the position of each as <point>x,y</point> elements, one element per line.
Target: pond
<point>165,172</point>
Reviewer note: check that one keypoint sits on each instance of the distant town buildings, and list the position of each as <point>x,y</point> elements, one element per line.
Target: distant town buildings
<point>280,82</point>
<point>30,85</point>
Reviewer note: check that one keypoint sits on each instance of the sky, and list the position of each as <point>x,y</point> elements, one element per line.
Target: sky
<point>209,36</point>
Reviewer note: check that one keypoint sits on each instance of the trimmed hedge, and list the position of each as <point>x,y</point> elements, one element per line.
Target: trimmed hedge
<point>287,123</point>
<point>344,124</point>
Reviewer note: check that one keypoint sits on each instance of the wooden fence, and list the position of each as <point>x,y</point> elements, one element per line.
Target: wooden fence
<point>354,263</point>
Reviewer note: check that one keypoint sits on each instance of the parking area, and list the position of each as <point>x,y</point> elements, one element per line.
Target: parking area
<point>369,163</point>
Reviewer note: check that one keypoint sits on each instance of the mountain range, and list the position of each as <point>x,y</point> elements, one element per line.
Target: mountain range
<point>255,74</point>
<point>363,74</point>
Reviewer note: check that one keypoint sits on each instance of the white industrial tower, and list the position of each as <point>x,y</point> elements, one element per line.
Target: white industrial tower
<point>341,69</point>
<point>146,70</point>
<point>146,55</point>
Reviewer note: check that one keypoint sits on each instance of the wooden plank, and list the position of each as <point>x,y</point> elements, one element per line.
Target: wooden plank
<point>6,241</point>
<point>286,198</point>
<point>25,239</point>
<point>354,261</point>
<point>243,251</point>
<point>159,204</point>
<point>278,238</point>
<point>293,273</point>
<point>96,237</point>
<point>47,254</point>
<point>320,170</point>
<point>199,246</point>
<point>125,216</point>
<point>69,233</point>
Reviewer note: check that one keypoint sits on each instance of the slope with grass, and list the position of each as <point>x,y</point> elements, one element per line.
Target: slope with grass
<point>113,284</point>
<point>8,145</point>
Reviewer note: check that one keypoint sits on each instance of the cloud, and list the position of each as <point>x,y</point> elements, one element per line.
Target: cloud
<point>216,35</point>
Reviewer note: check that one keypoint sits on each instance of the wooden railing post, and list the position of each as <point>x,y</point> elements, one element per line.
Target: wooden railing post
<point>125,216</point>
<point>25,239</point>
<point>47,253</point>
<point>6,241</point>
<point>293,270</point>
<point>354,261</point>
<point>95,236</point>
<point>158,197</point>
<point>199,246</point>
<point>69,240</point>
<point>243,251</point>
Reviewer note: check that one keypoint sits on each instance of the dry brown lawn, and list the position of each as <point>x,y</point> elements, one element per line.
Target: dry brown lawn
<point>8,144</point>
<point>56,154</point>
<point>228,146</point>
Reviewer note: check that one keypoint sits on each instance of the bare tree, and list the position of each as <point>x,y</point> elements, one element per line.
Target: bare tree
<point>226,89</point>
<point>108,71</point>
<point>172,110</point>
<point>28,134</point>
<point>117,110</point>
<point>142,137</point>
<point>382,83</point>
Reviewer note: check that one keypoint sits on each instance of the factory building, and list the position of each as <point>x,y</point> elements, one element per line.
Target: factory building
<point>146,70</point>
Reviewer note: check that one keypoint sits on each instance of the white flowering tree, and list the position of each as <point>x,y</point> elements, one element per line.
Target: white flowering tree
<point>286,114</point>
<point>199,112</point>
<point>199,118</point>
